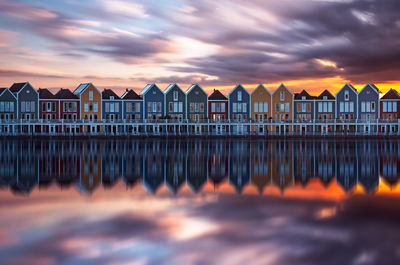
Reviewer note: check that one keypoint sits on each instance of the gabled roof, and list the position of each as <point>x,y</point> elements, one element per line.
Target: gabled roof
<point>373,87</point>
<point>65,94</point>
<point>391,94</point>
<point>282,85</point>
<point>171,86</point>
<point>147,88</point>
<point>326,94</point>
<point>194,86</point>
<point>81,88</point>
<point>217,95</point>
<point>16,87</point>
<point>348,85</point>
<point>303,94</point>
<point>262,86</point>
<point>44,93</point>
<point>130,94</point>
<point>108,93</point>
<point>236,87</point>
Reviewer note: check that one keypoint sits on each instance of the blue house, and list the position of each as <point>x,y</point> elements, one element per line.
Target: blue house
<point>112,106</point>
<point>132,105</point>
<point>325,110</point>
<point>368,107</point>
<point>239,107</point>
<point>346,106</point>
<point>153,100</point>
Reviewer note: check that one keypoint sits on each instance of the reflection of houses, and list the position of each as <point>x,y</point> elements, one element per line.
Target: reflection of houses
<point>218,158</point>
<point>196,165</point>
<point>175,166</point>
<point>282,164</point>
<point>27,169</point>
<point>8,164</point>
<point>69,164</point>
<point>324,161</point>
<point>368,165</point>
<point>346,165</point>
<point>111,163</point>
<point>239,164</point>
<point>389,166</point>
<point>304,161</point>
<point>90,176</point>
<point>154,166</point>
<point>48,162</point>
<point>260,165</point>
<point>133,162</point>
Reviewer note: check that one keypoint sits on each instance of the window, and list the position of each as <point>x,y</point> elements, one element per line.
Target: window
<point>27,106</point>
<point>180,108</point>
<point>149,106</point>
<point>196,107</point>
<point>112,107</point>
<point>175,93</point>
<point>394,106</point>
<point>325,109</point>
<point>260,106</point>
<point>239,107</point>
<point>170,106</point>
<point>12,106</point>
<point>244,107</point>
<point>107,105</point>
<point>201,107</point>
<point>303,107</point>
<point>346,95</point>
<point>137,107</point>
<point>372,106</point>
<point>255,106</point>
<point>363,106</point>
<point>308,107</point>
<point>320,106</point>
<point>368,106</point>
<point>341,106</point>
<point>351,106</point>
<point>346,106</point>
<point>239,95</point>
<point>116,107</point>
<point>222,107</point>
<point>86,107</point>
<point>213,107</point>
<point>175,106</point>
<point>325,97</point>
<point>158,106</point>
<point>128,107</point>
<point>329,106</point>
<point>286,107</point>
<point>154,106</point>
<point>265,106</point>
<point>90,95</point>
<point>282,95</point>
<point>191,106</point>
<point>95,107</point>
<point>298,107</point>
<point>234,108</point>
<point>389,107</point>
<point>218,105</point>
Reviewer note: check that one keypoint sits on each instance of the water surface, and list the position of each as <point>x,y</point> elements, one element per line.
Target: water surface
<point>199,201</point>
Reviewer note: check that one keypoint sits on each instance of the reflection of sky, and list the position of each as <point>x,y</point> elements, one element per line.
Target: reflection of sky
<point>120,226</point>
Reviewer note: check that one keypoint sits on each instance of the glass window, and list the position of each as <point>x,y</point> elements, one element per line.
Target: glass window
<point>389,106</point>
<point>86,107</point>
<point>244,107</point>
<point>341,106</point>
<point>319,106</point>
<point>170,106</point>
<point>363,106</point>
<point>158,106</point>
<point>116,107</point>
<point>329,106</point>
<point>95,107</point>
<point>384,106</point>
<point>128,107</point>
<point>180,107</point>
<point>191,105</point>
<point>239,95</point>
<point>222,107</point>
<point>90,95</point>
<point>255,106</point>
<point>112,107</point>
<point>176,106</point>
<point>234,108</point>
<point>202,107</point>
<point>154,106</point>
<point>368,106</point>
<point>149,106</point>
<point>213,107</point>
<point>351,106</point>
<point>286,107</point>
<point>265,106</point>
<point>107,107</point>
<point>175,95</point>
<point>346,95</point>
<point>346,107</point>
<point>282,95</point>
<point>394,106</point>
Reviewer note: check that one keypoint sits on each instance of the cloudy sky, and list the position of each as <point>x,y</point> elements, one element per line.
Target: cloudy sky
<point>307,44</point>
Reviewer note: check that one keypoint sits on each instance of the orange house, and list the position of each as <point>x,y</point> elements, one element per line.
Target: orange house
<point>90,106</point>
<point>260,107</point>
<point>282,108</point>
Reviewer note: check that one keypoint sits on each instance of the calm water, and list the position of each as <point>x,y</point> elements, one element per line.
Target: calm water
<point>199,202</point>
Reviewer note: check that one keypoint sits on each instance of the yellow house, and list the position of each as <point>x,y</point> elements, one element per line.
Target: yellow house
<point>282,109</point>
<point>90,106</point>
<point>260,108</point>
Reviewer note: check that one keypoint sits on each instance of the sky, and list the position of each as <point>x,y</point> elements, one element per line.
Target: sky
<point>306,44</point>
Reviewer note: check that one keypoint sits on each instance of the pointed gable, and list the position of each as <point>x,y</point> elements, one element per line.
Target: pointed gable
<point>217,95</point>
<point>373,87</point>
<point>391,94</point>
<point>65,94</point>
<point>347,86</point>
<point>44,93</point>
<point>16,87</point>
<point>130,94</point>
<point>193,87</point>
<point>238,86</point>
<point>109,94</point>
<point>260,87</point>
<point>303,94</point>
<point>172,86</point>
<point>148,87</point>
<point>282,86</point>
<point>326,94</point>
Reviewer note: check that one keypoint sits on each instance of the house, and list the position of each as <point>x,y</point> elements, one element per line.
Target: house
<point>282,174</point>
<point>112,106</point>
<point>197,165</point>
<point>8,108</point>
<point>282,108</point>
<point>48,110</point>
<point>196,107</point>
<point>261,164</point>
<point>325,110</point>
<point>90,106</point>
<point>390,111</point>
<point>368,108</point>
<point>239,107</point>
<point>325,161</point>
<point>175,166</point>
<point>69,110</point>
<point>27,99</point>
<point>368,165</point>
<point>175,102</point>
<point>132,109</point>
<point>304,106</point>
<point>346,165</point>
<point>303,162</point>
<point>239,164</point>
<point>218,161</point>
<point>346,107</point>
<point>153,100</point>
<point>217,111</point>
<point>260,109</point>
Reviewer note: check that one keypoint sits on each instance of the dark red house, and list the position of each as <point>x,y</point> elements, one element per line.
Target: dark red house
<point>69,109</point>
<point>390,110</point>
<point>218,111</point>
<point>48,110</point>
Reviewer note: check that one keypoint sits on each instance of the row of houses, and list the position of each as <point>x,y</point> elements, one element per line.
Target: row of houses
<point>87,164</point>
<point>23,102</point>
